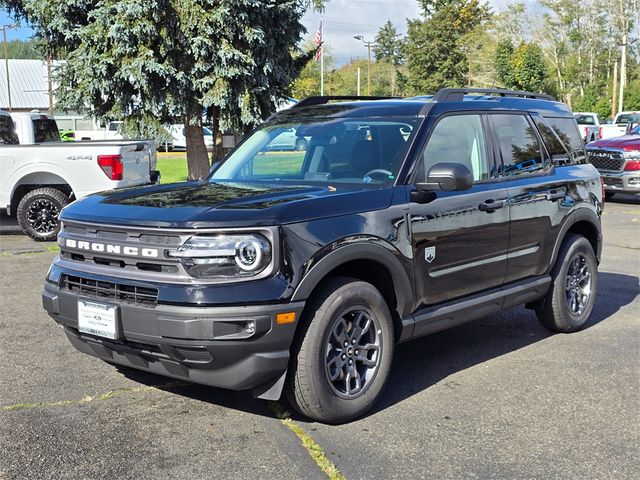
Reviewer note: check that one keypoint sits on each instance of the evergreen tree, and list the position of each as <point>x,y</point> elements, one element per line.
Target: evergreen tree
<point>388,47</point>
<point>156,61</point>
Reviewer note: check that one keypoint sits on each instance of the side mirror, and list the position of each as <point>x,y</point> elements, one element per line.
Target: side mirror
<point>447,177</point>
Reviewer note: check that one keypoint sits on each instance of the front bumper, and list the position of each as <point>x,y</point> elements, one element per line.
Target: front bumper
<point>207,345</point>
<point>621,182</point>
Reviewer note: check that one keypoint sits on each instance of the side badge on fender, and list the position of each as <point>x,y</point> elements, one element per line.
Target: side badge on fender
<point>430,254</point>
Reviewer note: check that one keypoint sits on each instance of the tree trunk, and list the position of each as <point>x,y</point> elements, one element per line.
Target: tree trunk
<point>197,155</point>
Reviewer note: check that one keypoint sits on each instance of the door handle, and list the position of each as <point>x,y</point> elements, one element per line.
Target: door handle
<point>553,196</point>
<point>491,205</point>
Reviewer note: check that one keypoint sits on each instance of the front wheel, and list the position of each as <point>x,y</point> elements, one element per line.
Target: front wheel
<point>38,213</point>
<point>342,356</point>
<point>569,302</point>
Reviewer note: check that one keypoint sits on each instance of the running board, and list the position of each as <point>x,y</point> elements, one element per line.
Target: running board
<point>441,317</point>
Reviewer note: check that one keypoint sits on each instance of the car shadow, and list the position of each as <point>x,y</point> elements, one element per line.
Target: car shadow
<point>628,198</point>
<point>423,362</point>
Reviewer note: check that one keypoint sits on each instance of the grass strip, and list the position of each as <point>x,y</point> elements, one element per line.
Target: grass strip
<point>313,449</point>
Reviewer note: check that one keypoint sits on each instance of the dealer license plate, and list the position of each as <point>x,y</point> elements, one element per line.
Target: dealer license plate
<point>98,319</point>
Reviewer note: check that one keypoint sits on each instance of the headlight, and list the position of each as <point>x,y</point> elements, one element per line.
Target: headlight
<point>225,256</point>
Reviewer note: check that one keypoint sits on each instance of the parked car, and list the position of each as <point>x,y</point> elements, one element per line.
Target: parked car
<point>301,274</point>
<point>35,127</point>
<point>618,161</point>
<point>39,178</point>
<point>179,141</point>
<point>289,140</point>
<point>80,128</point>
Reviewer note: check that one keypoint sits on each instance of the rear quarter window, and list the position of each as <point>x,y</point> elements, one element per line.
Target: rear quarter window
<point>566,130</point>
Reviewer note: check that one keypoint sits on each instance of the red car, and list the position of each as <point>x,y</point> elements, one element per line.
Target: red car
<point>618,161</point>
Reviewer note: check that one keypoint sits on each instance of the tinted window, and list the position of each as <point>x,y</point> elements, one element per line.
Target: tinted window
<point>7,131</point>
<point>567,131</point>
<point>458,139</point>
<point>628,118</point>
<point>585,119</point>
<point>45,130</point>
<point>339,150</point>
<point>518,143</point>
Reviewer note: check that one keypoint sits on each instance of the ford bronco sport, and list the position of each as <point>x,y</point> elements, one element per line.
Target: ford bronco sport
<point>299,271</point>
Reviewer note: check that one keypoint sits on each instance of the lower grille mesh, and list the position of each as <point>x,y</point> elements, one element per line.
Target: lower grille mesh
<point>110,291</point>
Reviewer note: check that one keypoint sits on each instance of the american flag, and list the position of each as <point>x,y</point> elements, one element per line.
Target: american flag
<point>319,42</point>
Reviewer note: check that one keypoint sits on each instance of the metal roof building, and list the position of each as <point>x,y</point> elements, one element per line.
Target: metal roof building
<point>29,82</point>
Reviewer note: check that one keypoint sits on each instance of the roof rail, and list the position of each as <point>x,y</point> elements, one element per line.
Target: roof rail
<point>321,100</point>
<point>457,94</point>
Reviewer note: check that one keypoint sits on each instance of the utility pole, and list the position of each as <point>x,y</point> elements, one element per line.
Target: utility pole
<point>614,97</point>
<point>358,83</point>
<point>623,71</point>
<point>4,29</point>
<point>368,44</point>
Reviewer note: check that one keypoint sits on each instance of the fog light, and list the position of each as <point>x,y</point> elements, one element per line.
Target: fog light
<point>250,327</point>
<point>634,181</point>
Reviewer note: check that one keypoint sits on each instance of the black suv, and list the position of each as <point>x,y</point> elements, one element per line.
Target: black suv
<point>300,270</point>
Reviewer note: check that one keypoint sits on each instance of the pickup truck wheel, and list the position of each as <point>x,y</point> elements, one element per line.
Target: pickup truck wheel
<point>570,300</point>
<point>342,356</point>
<point>38,213</point>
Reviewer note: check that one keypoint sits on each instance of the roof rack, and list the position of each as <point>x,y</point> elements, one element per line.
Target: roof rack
<point>321,100</point>
<point>457,94</point>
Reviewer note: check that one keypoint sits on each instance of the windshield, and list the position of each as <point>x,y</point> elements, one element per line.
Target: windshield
<point>325,150</point>
<point>635,131</point>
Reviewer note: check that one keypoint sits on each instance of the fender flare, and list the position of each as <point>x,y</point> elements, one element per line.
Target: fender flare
<point>579,215</point>
<point>402,286</point>
<point>24,174</point>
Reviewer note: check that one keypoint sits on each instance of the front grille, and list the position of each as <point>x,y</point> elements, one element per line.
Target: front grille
<point>606,160</point>
<point>110,291</point>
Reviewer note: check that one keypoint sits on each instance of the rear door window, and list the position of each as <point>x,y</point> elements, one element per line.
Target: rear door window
<point>45,130</point>
<point>518,145</point>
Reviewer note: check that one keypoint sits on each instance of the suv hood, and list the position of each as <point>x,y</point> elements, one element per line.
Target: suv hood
<point>625,142</point>
<point>223,204</point>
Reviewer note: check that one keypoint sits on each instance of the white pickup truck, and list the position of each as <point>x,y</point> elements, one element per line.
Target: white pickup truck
<point>38,179</point>
<point>592,128</point>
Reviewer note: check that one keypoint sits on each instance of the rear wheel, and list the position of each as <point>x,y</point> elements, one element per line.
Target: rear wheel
<point>38,213</point>
<point>569,302</point>
<point>342,355</point>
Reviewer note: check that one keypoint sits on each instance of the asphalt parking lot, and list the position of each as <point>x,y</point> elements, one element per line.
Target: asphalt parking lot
<point>498,398</point>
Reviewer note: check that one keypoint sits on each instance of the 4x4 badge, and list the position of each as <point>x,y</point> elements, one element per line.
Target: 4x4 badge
<point>430,254</point>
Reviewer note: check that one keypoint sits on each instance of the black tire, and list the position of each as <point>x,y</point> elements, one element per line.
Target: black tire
<point>608,196</point>
<point>309,388</point>
<point>38,213</point>
<point>301,145</point>
<point>558,313</point>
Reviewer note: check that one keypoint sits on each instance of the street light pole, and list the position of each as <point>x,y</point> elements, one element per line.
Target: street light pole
<point>368,44</point>
<point>6,58</point>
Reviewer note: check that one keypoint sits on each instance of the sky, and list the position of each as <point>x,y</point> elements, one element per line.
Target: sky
<point>342,20</point>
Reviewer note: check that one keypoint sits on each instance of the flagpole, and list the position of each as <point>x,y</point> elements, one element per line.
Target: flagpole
<point>322,56</point>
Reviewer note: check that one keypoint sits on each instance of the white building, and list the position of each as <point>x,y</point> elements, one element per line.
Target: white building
<point>29,85</point>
